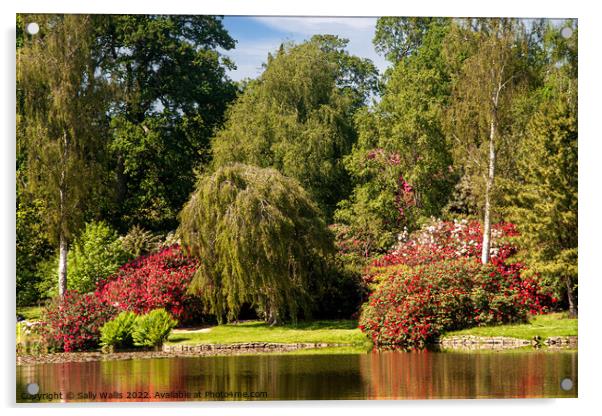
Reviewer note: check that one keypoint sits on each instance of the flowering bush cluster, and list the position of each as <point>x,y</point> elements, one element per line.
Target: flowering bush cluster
<point>156,281</point>
<point>413,305</point>
<point>73,323</point>
<point>443,240</point>
<point>433,281</point>
<point>152,282</point>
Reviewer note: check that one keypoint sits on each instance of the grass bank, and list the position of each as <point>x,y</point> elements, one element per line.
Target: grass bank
<point>544,326</point>
<point>330,332</point>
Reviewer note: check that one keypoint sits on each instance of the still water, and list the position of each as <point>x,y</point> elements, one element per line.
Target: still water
<point>373,375</point>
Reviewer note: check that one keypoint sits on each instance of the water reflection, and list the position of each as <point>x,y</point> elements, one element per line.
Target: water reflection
<point>376,375</point>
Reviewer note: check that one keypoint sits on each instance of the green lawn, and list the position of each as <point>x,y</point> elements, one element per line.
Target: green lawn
<point>331,332</point>
<point>544,326</point>
<point>31,313</point>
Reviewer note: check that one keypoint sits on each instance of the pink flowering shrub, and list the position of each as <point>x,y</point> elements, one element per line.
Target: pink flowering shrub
<point>153,282</point>
<point>444,240</point>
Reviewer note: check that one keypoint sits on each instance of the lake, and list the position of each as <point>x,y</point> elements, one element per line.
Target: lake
<point>372,375</point>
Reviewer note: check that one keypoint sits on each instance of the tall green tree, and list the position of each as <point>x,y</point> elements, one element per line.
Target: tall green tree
<point>546,201</point>
<point>173,92</point>
<point>297,117</point>
<point>63,103</point>
<point>401,163</point>
<point>32,245</point>
<point>490,69</point>
<point>261,241</point>
<point>398,37</point>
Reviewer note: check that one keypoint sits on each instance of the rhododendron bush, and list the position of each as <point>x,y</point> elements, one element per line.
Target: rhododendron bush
<point>152,282</point>
<point>149,282</point>
<point>433,281</point>
<point>444,240</point>
<point>73,323</point>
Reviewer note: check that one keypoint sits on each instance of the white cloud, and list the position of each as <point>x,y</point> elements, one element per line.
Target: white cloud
<point>313,25</point>
<point>249,55</point>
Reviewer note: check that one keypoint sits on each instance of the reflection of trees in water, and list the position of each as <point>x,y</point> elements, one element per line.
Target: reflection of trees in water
<point>281,376</point>
<point>426,374</point>
<point>384,375</point>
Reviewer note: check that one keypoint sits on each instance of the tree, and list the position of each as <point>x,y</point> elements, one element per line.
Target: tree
<point>173,92</point>
<point>297,117</point>
<point>398,37</point>
<point>97,253</point>
<point>545,203</point>
<point>62,117</point>
<point>32,244</point>
<point>260,240</point>
<point>401,162</point>
<point>485,86</point>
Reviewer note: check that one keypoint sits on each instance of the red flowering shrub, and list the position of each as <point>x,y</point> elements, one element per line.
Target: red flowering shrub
<point>433,281</point>
<point>413,305</point>
<point>153,282</point>
<point>73,323</point>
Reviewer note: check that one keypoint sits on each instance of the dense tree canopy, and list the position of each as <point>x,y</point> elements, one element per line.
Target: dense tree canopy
<point>401,163</point>
<point>122,119</point>
<point>173,91</point>
<point>544,205</point>
<point>398,37</point>
<point>297,117</point>
<point>260,240</point>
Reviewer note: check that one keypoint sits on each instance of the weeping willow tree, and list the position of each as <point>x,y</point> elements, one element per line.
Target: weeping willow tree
<point>261,241</point>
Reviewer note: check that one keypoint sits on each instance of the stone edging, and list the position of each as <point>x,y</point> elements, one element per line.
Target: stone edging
<point>481,342</point>
<point>197,348</point>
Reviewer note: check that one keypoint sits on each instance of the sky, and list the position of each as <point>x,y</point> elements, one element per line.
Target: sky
<point>256,36</point>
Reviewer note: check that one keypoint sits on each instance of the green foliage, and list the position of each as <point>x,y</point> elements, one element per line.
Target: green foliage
<point>45,276</point>
<point>545,204</point>
<point>97,253</point>
<point>398,37</point>
<point>118,331</point>
<point>62,124</point>
<point>297,117</point>
<point>173,91</point>
<point>138,242</point>
<point>260,240</point>
<point>492,77</point>
<point>32,247</point>
<point>153,328</point>
<point>401,163</point>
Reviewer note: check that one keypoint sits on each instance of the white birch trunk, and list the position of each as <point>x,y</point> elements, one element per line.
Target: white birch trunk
<point>62,265</point>
<point>485,254</point>
<point>62,239</point>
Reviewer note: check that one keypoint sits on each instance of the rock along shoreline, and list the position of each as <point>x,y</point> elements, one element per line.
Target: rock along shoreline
<point>460,343</point>
<point>168,350</point>
<point>472,342</point>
